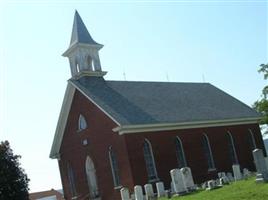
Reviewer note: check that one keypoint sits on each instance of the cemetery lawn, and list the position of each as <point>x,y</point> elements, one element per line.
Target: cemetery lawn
<point>241,190</point>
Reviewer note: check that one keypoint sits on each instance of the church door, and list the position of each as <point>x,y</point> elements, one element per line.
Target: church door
<point>91,178</point>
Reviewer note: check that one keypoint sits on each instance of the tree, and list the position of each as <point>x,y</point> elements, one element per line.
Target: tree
<point>262,104</point>
<point>13,180</point>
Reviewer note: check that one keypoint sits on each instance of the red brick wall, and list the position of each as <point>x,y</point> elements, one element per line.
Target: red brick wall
<point>100,137</point>
<point>129,151</point>
<point>165,155</point>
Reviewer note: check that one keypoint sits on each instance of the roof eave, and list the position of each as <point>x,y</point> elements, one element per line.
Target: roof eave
<point>126,129</point>
<point>64,113</point>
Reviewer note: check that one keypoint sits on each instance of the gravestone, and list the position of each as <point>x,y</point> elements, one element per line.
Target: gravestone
<point>259,160</point>
<point>149,193</point>
<point>187,178</point>
<point>124,194</point>
<point>204,185</point>
<point>246,173</point>
<point>223,179</point>
<point>172,190</point>
<point>221,174</point>
<point>217,182</point>
<point>211,185</point>
<point>138,192</point>
<point>230,177</point>
<point>222,182</point>
<point>160,189</point>
<point>177,181</point>
<point>132,196</point>
<point>266,161</point>
<point>237,172</point>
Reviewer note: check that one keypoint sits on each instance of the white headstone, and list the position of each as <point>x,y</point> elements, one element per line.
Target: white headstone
<point>211,185</point>
<point>204,185</point>
<point>187,178</point>
<point>177,181</point>
<point>266,161</point>
<point>222,181</point>
<point>172,190</point>
<point>160,189</point>
<point>246,173</point>
<point>124,194</point>
<point>260,163</point>
<point>230,177</point>
<point>221,174</point>
<point>138,192</point>
<point>237,172</point>
<point>132,196</point>
<point>149,193</point>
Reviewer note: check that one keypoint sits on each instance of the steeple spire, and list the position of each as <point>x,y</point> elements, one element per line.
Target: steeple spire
<point>80,33</point>
<point>83,52</point>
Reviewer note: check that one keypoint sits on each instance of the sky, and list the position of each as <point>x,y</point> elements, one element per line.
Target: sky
<point>221,42</point>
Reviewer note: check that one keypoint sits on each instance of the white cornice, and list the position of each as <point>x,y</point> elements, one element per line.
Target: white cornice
<point>89,73</point>
<point>76,45</point>
<point>64,113</point>
<point>183,125</point>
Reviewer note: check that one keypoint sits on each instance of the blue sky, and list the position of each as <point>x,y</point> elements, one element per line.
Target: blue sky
<point>221,42</point>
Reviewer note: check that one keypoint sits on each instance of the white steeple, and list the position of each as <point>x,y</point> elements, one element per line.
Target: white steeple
<point>83,52</point>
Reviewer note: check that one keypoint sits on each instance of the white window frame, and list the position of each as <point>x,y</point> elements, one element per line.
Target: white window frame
<point>182,149</point>
<point>252,138</point>
<point>210,153</point>
<point>82,123</point>
<point>153,161</point>
<point>233,146</point>
<point>116,185</point>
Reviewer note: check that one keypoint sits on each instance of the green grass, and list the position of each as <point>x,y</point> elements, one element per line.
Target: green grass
<point>241,190</point>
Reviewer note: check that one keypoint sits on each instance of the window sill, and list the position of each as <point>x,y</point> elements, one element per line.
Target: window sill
<point>118,187</point>
<point>212,169</point>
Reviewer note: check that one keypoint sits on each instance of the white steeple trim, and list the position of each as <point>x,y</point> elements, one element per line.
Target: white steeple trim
<point>83,52</point>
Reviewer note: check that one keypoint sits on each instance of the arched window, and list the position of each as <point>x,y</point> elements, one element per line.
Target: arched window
<point>149,160</point>
<point>114,167</point>
<point>90,62</point>
<point>180,153</point>
<point>208,152</point>
<point>91,178</point>
<point>82,124</point>
<point>71,180</point>
<point>251,140</point>
<point>231,147</point>
<point>77,68</point>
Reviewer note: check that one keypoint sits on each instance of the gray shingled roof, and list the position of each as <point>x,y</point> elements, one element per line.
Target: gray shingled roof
<point>80,33</point>
<point>131,103</point>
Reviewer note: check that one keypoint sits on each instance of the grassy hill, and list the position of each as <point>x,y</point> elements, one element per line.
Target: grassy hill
<point>241,190</point>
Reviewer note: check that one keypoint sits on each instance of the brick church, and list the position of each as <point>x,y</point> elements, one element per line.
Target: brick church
<point>113,134</point>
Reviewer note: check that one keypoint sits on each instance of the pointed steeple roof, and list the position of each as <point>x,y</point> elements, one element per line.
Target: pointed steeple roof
<point>80,33</point>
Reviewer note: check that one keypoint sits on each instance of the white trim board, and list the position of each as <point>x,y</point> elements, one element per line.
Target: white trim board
<point>183,125</point>
<point>64,113</point>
